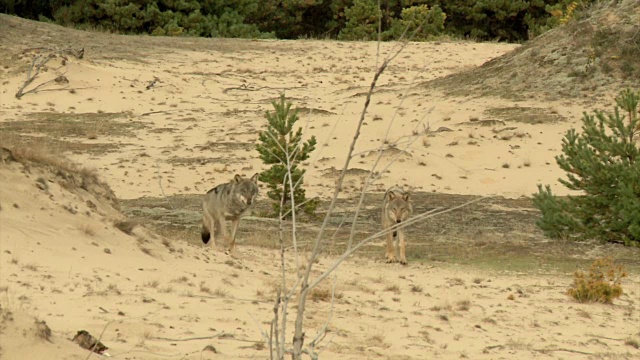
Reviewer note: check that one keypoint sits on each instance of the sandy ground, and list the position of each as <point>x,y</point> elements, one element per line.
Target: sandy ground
<point>197,125</point>
<point>63,261</point>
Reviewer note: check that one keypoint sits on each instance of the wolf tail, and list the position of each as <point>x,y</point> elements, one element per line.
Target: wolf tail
<point>206,235</point>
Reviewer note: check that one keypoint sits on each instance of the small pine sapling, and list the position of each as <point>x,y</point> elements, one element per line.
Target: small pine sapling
<point>282,147</point>
<point>603,163</point>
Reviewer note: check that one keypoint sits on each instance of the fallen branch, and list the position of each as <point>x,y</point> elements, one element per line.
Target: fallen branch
<point>39,62</point>
<point>36,65</point>
<point>166,111</point>
<point>190,338</point>
<point>243,87</point>
<point>68,89</point>
<point>563,349</point>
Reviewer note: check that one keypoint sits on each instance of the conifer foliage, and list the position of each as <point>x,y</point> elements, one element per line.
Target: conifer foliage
<point>603,162</point>
<point>282,147</point>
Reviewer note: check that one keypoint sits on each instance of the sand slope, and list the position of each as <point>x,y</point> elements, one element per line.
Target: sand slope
<point>65,263</point>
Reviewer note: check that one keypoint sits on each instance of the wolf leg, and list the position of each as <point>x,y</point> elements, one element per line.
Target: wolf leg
<point>221,230</point>
<point>234,228</point>
<point>402,241</point>
<point>391,251</point>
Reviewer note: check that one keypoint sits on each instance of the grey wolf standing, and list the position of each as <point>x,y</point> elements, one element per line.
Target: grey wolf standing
<point>227,202</point>
<point>396,209</point>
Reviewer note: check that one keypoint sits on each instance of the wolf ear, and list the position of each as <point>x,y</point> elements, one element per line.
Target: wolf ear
<point>254,178</point>
<point>391,195</point>
<point>237,178</point>
<point>406,196</point>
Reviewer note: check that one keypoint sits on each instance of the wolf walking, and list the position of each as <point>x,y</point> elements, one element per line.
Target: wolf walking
<point>227,202</point>
<point>396,209</point>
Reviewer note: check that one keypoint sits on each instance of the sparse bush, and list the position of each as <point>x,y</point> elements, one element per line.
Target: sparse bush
<point>601,284</point>
<point>282,148</point>
<point>603,163</point>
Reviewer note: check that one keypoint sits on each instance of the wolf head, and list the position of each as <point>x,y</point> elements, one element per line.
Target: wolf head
<point>246,189</point>
<point>398,208</point>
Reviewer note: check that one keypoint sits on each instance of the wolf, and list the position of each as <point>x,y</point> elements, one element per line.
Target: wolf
<point>227,202</point>
<point>396,208</point>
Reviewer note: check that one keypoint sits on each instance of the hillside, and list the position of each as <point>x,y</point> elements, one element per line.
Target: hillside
<point>590,58</point>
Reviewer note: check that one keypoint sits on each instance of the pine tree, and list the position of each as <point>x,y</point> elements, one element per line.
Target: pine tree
<point>603,162</point>
<point>280,146</point>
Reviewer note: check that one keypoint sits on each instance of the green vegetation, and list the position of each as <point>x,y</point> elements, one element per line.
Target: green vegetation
<point>290,19</point>
<point>603,162</point>
<point>282,148</point>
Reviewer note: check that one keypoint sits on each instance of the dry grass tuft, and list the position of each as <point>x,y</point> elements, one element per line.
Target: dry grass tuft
<point>181,280</point>
<point>323,294</point>
<point>634,343</point>
<point>204,288</point>
<point>145,250</point>
<point>32,267</point>
<point>42,330</point>
<point>88,229</point>
<point>393,288</point>
<point>220,292</point>
<point>126,226</point>
<point>601,284</point>
<point>152,284</point>
<point>463,305</point>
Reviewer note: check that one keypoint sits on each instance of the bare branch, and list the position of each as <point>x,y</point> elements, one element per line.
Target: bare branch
<point>161,188</point>
<point>152,82</point>
<point>189,338</point>
<point>323,332</point>
<point>36,66</point>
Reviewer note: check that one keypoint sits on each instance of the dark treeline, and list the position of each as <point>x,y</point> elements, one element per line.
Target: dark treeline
<point>513,20</point>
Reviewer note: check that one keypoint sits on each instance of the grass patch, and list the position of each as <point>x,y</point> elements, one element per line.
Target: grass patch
<point>527,115</point>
